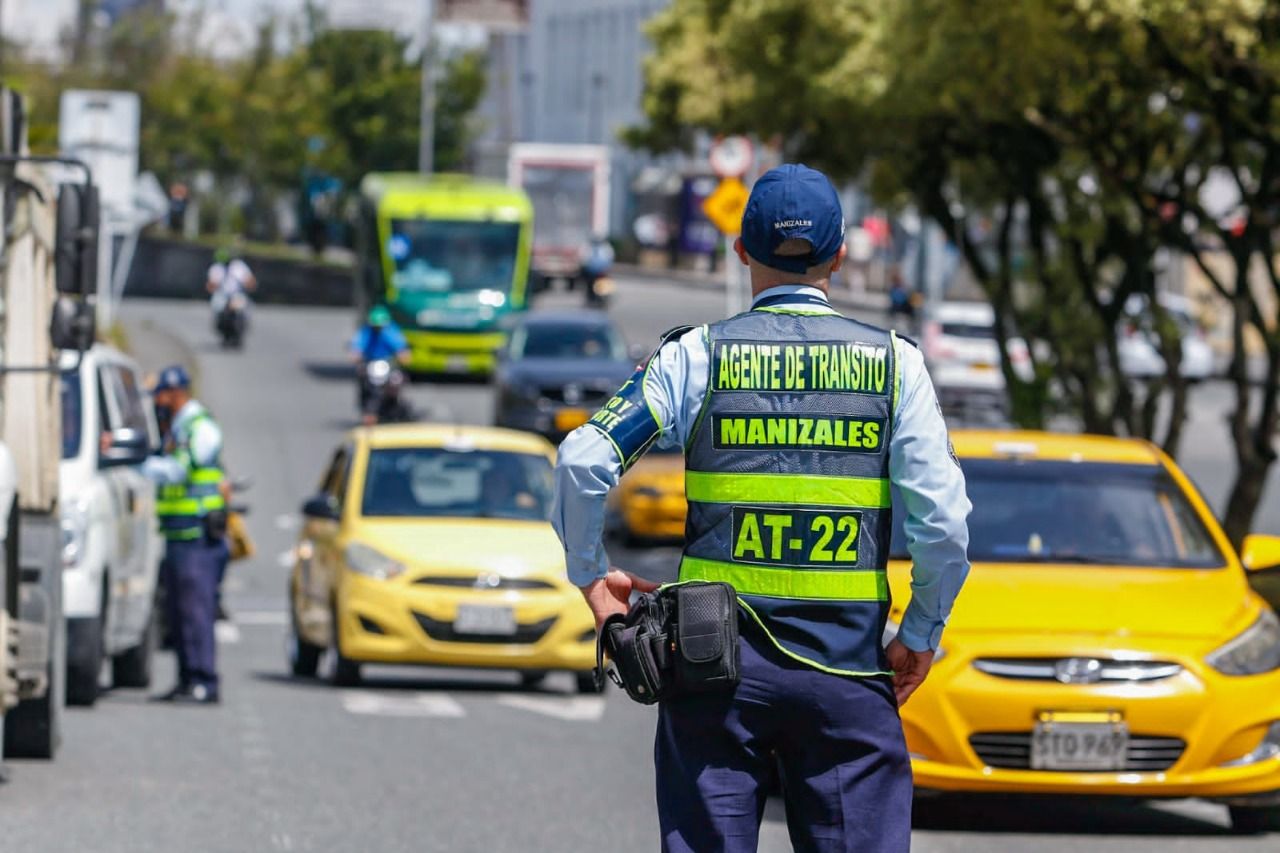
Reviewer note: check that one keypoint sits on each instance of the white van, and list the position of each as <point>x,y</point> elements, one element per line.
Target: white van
<point>111,543</point>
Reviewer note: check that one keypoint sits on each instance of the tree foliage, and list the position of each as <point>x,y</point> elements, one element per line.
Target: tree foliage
<point>340,102</point>
<point>1062,144</point>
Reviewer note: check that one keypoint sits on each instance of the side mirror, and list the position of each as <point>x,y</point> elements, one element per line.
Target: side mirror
<point>1260,552</point>
<point>128,447</point>
<point>76,240</point>
<point>322,506</point>
<point>74,324</point>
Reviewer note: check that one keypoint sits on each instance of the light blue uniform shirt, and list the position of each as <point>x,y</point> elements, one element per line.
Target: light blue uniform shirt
<point>203,436</point>
<point>921,465</point>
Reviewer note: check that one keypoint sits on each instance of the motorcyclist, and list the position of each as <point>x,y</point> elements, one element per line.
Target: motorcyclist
<point>378,339</point>
<point>596,262</point>
<point>227,276</point>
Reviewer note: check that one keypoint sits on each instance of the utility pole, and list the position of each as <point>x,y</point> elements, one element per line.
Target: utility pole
<point>427,116</point>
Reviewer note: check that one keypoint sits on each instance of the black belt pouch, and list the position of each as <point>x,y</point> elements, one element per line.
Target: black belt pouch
<point>680,640</point>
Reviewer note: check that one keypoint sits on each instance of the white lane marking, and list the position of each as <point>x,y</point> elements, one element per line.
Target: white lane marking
<point>287,521</point>
<point>260,617</point>
<point>226,633</point>
<point>286,558</point>
<point>572,708</point>
<point>387,705</point>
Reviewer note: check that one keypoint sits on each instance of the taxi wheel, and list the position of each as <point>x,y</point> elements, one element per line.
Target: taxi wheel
<point>343,671</point>
<point>587,682</point>
<point>1254,820</point>
<point>304,658</point>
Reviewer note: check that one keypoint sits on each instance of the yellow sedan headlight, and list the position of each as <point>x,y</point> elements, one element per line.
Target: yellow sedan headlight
<point>371,562</point>
<point>1255,651</point>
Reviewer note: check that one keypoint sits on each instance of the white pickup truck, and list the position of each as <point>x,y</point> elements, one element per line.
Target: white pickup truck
<point>111,544</point>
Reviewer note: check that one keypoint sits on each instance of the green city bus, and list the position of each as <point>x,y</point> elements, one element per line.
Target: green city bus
<point>449,257</point>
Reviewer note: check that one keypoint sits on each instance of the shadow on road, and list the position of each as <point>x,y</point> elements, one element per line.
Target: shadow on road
<point>484,683</point>
<point>330,371</point>
<point>1054,815</point>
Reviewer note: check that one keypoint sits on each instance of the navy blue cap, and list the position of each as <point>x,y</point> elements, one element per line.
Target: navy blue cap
<point>173,376</point>
<point>793,202</point>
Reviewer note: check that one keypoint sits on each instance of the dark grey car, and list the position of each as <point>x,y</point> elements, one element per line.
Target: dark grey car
<point>559,367</point>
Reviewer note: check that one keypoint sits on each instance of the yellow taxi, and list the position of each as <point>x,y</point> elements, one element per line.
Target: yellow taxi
<point>429,544</point>
<point>648,503</point>
<point>1107,640</point>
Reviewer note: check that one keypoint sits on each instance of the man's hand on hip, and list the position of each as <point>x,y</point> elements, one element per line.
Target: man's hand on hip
<point>910,668</point>
<point>612,593</point>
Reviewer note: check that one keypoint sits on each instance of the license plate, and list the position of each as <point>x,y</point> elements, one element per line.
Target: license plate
<point>567,419</point>
<point>1059,745</point>
<point>482,619</point>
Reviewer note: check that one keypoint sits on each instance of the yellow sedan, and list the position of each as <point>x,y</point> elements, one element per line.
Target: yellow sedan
<point>649,502</point>
<point>1107,641</point>
<point>430,544</point>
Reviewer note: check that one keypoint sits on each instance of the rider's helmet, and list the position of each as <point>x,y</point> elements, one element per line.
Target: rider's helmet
<point>222,255</point>
<point>379,316</point>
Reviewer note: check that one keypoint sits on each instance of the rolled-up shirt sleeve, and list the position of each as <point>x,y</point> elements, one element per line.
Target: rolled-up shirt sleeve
<point>923,467</point>
<point>591,460</point>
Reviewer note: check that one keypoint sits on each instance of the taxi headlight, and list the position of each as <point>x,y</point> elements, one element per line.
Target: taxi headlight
<point>371,562</point>
<point>1255,651</point>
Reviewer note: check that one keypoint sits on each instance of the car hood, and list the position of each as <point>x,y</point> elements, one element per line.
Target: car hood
<point>466,546</point>
<point>1095,600</point>
<point>663,471</point>
<point>559,371</point>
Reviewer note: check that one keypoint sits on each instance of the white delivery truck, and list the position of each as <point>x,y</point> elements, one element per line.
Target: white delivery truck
<point>48,275</point>
<point>569,188</point>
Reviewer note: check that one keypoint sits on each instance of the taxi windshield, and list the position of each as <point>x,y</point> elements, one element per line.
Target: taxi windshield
<point>1078,512</point>
<point>427,482</point>
<point>447,256</point>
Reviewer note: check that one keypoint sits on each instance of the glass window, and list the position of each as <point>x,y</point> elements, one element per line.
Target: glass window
<point>72,414</point>
<point>129,400</point>
<point>1064,512</point>
<point>570,340</point>
<point>335,476</point>
<point>444,256</point>
<point>438,482</point>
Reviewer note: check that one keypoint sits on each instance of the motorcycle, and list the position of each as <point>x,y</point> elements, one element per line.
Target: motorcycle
<point>232,321</point>
<point>381,398</point>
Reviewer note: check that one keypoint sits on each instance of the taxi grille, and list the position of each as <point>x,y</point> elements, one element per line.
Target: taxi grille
<point>1049,669</point>
<point>482,582</point>
<point>444,632</point>
<point>1012,751</point>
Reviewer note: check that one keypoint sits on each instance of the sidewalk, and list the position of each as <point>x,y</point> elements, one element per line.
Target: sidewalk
<point>878,302</point>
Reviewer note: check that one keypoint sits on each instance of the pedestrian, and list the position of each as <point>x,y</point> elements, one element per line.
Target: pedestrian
<point>192,513</point>
<point>795,422</point>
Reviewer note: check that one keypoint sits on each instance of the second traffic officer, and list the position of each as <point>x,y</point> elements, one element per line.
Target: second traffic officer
<point>192,513</point>
<point>795,422</point>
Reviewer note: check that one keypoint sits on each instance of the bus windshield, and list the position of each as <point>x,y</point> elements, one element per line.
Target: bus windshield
<point>450,256</point>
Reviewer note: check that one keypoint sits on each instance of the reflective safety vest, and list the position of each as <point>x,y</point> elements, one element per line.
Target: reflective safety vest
<point>787,477</point>
<point>182,507</point>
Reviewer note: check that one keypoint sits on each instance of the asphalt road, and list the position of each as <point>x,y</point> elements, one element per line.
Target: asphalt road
<point>431,760</point>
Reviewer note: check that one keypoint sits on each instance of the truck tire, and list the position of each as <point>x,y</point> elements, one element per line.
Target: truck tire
<point>84,660</point>
<point>34,728</point>
<point>132,667</point>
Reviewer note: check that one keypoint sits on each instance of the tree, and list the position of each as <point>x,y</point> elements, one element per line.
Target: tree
<point>1060,143</point>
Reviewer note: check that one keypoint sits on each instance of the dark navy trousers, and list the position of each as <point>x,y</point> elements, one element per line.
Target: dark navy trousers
<point>191,572</point>
<point>837,741</point>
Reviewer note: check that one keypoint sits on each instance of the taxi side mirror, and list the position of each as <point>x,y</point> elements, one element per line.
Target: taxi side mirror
<point>1260,552</point>
<point>323,506</point>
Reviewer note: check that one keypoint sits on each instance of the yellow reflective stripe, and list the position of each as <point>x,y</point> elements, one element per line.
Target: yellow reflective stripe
<point>189,506</point>
<point>789,583</point>
<point>799,489</point>
<point>206,476</point>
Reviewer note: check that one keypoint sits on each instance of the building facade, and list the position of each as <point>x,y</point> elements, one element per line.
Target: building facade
<point>584,79</point>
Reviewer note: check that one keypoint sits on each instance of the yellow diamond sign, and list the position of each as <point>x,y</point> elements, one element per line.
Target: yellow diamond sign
<point>725,205</point>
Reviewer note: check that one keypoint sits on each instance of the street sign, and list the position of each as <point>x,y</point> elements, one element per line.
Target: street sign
<point>731,156</point>
<point>724,207</point>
